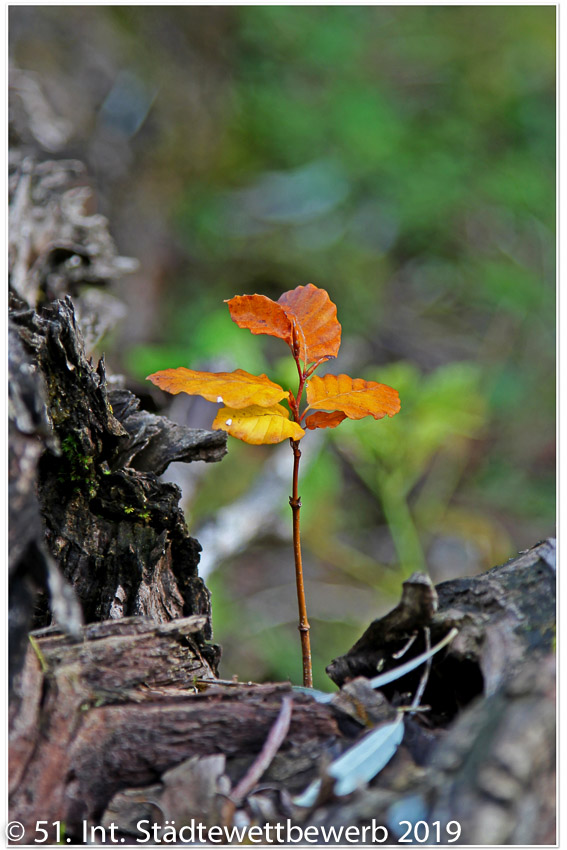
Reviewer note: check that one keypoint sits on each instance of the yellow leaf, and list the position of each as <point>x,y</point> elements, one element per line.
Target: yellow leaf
<point>258,425</point>
<point>354,396</point>
<point>236,389</point>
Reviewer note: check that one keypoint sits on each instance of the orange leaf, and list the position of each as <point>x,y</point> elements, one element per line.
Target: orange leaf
<point>261,315</point>
<point>258,425</point>
<point>304,315</point>
<point>315,318</point>
<point>324,420</point>
<point>354,396</point>
<point>237,389</point>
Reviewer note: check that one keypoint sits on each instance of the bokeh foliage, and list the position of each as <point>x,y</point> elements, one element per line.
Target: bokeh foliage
<point>404,159</point>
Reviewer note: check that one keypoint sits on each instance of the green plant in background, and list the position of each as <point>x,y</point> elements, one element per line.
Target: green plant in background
<point>373,148</point>
<point>306,319</point>
<point>445,410</point>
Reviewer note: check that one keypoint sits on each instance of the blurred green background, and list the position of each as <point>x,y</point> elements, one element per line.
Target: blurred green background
<point>404,159</point>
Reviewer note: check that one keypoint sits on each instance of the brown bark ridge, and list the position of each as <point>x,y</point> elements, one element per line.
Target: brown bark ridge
<point>125,704</point>
<point>91,525</point>
<point>125,724</point>
<point>487,746</point>
<point>503,617</point>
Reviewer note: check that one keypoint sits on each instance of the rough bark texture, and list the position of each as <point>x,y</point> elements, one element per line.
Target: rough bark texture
<point>104,516</point>
<point>504,617</point>
<point>127,723</point>
<point>488,744</point>
<point>86,505</point>
<point>122,706</point>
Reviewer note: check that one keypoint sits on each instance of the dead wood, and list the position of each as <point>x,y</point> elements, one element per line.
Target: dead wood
<point>484,755</point>
<point>120,707</point>
<point>120,725</point>
<point>504,616</point>
<point>91,526</point>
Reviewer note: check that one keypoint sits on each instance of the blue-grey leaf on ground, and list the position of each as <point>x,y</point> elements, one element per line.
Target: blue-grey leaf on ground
<point>359,764</point>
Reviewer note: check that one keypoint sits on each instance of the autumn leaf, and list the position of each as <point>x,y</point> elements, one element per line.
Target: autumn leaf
<point>355,397</point>
<point>315,317</point>
<point>324,420</point>
<point>260,315</point>
<point>237,389</point>
<point>304,315</point>
<point>258,425</point>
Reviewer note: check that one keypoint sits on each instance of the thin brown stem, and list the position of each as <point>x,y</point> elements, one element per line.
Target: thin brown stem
<point>299,370</point>
<point>297,400</point>
<point>295,503</point>
<point>308,372</point>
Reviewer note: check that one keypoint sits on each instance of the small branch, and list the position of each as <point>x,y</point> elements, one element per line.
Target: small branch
<point>228,683</point>
<point>273,742</point>
<point>401,652</point>
<point>302,380</point>
<point>425,676</point>
<point>295,504</point>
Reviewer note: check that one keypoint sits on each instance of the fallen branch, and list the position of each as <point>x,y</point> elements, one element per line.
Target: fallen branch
<point>272,744</point>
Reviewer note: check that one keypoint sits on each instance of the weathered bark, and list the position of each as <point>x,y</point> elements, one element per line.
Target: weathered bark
<point>124,705</point>
<point>103,515</point>
<point>128,723</point>
<point>504,617</point>
<point>89,520</point>
<point>488,744</point>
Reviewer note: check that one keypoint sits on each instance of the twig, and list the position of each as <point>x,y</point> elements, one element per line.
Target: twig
<point>273,742</point>
<point>402,669</point>
<point>425,675</point>
<point>40,656</point>
<point>405,648</point>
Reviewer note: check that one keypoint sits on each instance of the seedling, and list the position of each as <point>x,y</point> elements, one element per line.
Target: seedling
<point>306,319</point>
